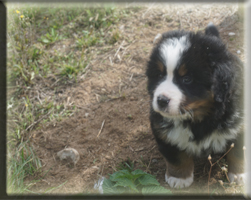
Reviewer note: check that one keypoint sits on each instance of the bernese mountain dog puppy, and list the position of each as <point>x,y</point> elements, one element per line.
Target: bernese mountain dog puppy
<point>196,90</point>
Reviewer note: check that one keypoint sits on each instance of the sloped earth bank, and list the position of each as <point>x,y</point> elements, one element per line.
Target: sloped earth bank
<point>113,93</point>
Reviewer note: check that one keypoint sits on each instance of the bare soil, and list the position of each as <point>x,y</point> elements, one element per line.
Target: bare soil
<point>113,92</point>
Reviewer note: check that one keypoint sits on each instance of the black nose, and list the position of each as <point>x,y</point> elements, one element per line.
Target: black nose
<point>162,101</point>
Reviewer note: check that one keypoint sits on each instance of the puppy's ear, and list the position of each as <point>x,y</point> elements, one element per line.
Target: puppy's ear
<point>222,83</point>
<point>212,30</point>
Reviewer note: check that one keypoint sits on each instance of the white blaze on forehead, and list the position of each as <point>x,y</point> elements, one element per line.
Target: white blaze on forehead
<point>171,51</point>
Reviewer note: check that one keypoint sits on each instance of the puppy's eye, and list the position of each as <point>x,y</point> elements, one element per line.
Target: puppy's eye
<point>187,79</point>
<point>161,75</point>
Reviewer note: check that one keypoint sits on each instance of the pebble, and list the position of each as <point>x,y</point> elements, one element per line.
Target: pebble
<point>69,153</point>
<point>231,33</point>
<point>86,115</point>
<point>238,51</point>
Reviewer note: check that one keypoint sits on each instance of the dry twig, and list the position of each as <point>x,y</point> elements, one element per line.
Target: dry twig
<point>101,128</point>
<point>212,164</point>
<point>121,46</point>
<point>149,163</point>
<point>33,124</point>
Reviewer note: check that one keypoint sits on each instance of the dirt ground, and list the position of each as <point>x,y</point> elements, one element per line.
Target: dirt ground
<point>113,93</point>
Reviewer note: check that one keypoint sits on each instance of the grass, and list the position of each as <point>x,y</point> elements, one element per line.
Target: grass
<point>23,163</point>
<point>38,69</point>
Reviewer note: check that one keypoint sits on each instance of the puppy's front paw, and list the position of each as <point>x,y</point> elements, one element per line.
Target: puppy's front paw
<point>179,182</point>
<point>238,178</point>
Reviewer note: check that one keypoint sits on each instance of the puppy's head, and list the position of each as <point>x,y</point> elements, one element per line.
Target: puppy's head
<point>187,73</point>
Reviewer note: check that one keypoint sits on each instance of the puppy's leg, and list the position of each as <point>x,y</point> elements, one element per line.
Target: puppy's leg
<point>235,159</point>
<point>179,166</point>
<point>180,175</point>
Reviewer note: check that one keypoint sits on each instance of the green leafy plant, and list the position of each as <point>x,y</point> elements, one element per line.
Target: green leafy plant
<point>126,181</point>
<point>51,37</point>
<point>86,40</point>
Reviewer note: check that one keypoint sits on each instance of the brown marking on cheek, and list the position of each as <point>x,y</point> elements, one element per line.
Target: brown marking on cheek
<point>182,70</point>
<point>200,107</point>
<point>198,104</point>
<point>182,170</point>
<point>160,66</point>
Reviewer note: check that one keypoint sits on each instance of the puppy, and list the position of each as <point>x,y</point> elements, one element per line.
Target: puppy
<point>196,90</point>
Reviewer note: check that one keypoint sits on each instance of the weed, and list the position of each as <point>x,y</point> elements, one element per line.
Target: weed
<point>217,162</point>
<point>115,36</point>
<point>86,40</point>
<point>50,37</point>
<point>126,181</point>
<point>23,163</point>
<point>127,165</point>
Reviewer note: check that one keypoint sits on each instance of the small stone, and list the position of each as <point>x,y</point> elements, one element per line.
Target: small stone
<point>238,51</point>
<point>231,33</point>
<point>69,154</point>
<point>154,160</point>
<point>86,115</point>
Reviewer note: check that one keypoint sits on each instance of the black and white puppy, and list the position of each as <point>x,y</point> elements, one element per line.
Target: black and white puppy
<point>196,89</point>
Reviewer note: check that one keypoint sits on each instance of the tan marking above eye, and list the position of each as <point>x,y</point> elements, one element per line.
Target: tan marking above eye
<point>182,70</point>
<point>160,66</point>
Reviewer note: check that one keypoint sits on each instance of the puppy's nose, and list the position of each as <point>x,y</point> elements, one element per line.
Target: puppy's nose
<point>162,101</point>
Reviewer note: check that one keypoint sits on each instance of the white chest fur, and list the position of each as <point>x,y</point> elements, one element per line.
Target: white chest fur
<point>217,141</point>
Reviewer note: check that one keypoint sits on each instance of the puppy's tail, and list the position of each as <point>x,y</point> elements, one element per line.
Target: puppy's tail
<point>212,30</point>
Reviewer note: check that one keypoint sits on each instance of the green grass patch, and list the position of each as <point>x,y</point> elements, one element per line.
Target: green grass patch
<point>21,164</point>
<point>38,66</point>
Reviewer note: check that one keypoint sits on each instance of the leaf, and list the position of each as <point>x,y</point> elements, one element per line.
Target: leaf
<point>125,182</point>
<point>120,174</point>
<point>155,190</point>
<point>52,32</point>
<point>44,40</point>
<point>108,187</point>
<point>138,173</point>
<point>148,180</point>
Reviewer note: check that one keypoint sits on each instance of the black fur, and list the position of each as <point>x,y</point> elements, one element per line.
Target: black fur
<point>215,70</point>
